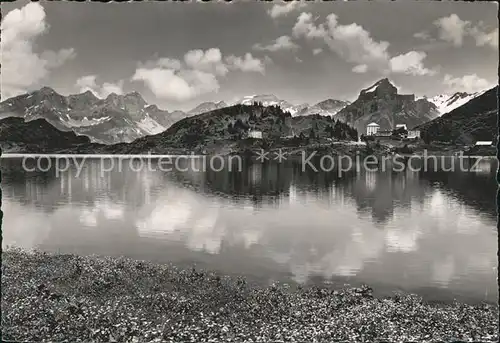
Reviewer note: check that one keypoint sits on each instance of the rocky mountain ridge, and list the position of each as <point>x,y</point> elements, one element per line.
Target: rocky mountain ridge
<point>382,104</point>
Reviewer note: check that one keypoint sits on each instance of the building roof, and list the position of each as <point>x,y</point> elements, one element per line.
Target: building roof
<point>400,125</point>
<point>373,124</point>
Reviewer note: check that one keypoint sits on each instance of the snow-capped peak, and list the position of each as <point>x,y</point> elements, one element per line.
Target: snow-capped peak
<point>268,100</point>
<point>448,102</point>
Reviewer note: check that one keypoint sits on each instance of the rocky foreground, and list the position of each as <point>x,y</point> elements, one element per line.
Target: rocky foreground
<point>47,297</point>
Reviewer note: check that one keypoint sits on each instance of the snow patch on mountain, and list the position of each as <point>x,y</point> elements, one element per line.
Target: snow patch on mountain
<point>269,100</point>
<point>149,125</point>
<point>448,102</point>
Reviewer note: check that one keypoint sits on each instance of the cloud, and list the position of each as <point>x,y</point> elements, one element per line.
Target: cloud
<point>57,59</point>
<point>360,68</point>
<point>169,63</point>
<point>246,64</point>
<point>468,83</point>
<point>196,75</point>
<point>351,42</point>
<point>89,83</point>
<point>424,35</point>
<point>208,61</point>
<point>483,38</point>
<point>281,43</point>
<point>452,29</point>
<point>282,10</point>
<point>22,68</point>
<point>305,27</point>
<point>317,51</point>
<point>410,63</point>
<point>356,45</point>
<point>179,86</point>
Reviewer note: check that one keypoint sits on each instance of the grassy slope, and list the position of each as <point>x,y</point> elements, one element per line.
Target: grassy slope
<point>211,130</point>
<point>476,120</point>
<point>71,298</point>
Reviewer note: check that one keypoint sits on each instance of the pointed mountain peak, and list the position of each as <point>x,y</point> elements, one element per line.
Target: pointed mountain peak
<point>152,108</point>
<point>383,86</point>
<point>88,93</point>
<point>136,98</point>
<point>134,94</point>
<point>47,90</point>
<point>112,96</point>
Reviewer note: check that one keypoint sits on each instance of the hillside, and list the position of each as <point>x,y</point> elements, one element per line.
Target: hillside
<point>473,121</point>
<point>327,107</point>
<point>448,102</point>
<point>382,104</point>
<point>36,136</point>
<point>221,128</point>
<point>207,107</point>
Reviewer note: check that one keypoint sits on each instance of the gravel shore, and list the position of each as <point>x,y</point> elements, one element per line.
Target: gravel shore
<point>50,297</point>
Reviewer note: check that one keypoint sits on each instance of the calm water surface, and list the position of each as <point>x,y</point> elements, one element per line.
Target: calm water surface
<point>433,233</point>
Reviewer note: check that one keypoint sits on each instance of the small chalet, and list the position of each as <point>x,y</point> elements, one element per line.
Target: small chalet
<point>413,134</point>
<point>255,134</point>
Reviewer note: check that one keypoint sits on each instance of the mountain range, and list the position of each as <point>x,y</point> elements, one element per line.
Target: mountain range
<point>448,102</point>
<point>117,118</point>
<point>126,118</point>
<point>475,120</point>
<point>381,104</point>
<point>327,107</point>
<point>223,130</point>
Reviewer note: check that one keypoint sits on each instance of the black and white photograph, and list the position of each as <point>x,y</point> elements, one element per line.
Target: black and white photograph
<point>249,171</point>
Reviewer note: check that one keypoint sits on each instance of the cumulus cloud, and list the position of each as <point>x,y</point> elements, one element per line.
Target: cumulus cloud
<point>410,63</point>
<point>452,29</point>
<point>169,63</point>
<point>483,38</point>
<point>196,75</point>
<point>424,35</point>
<point>179,86</point>
<point>468,83</point>
<point>89,83</point>
<point>282,10</point>
<point>317,51</point>
<point>247,63</point>
<point>56,59</point>
<point>281,43</point>
<point>360,68</point>
<point>209,61</point>
<point>352,42</point>
<point>356,45</point>
<point>23,68</point>
<point>305,27</point>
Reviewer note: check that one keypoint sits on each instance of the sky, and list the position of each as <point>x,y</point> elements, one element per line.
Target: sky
<point>179,54</point>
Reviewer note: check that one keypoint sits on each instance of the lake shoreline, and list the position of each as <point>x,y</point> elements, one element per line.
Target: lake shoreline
<point>59,297</point>
<point>254,148</point>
